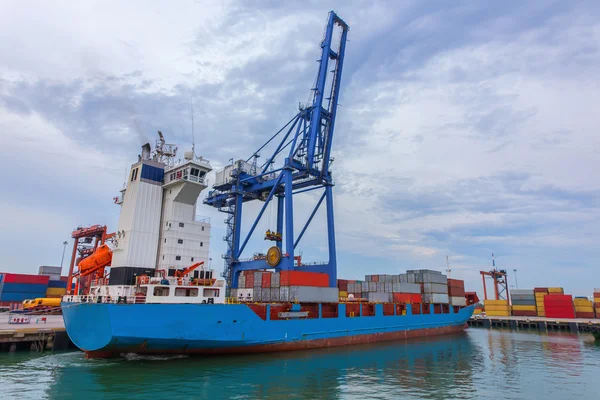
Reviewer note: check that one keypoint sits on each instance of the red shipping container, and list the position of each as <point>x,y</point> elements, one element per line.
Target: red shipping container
<point>23,278</point>
<point>584,315</point>
<point>402,297</point>
<point>374,278</point>
<point>303,278</point>
<point>266,279</point>
<point>416,298</point>
<point>559,306</point>
<point>456,292</point>
<point>342,284</point>
<point>540,290</point>
<point>456,283</point>
<point>523,313</point>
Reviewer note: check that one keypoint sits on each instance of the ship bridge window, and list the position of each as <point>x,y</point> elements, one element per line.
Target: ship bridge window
<point>181,292</point>
<point>161,291</point>
<point>210,293</point>
<point>178,258</point>
<point>181,224</point>
<point>202,173</point>
<point>194,172</point>
<point>180,241</point>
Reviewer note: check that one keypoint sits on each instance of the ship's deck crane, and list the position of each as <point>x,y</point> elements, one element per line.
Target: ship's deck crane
<point>305,145</point>
<point>500,281</point>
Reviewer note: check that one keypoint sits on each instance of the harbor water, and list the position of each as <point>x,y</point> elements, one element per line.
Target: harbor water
<point>478,364</point>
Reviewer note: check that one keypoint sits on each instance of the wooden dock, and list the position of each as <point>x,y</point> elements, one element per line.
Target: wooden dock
<point>538,323</point>
<point>33,332</point>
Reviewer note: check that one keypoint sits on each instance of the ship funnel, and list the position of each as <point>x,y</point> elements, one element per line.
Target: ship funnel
<point>146,151</point>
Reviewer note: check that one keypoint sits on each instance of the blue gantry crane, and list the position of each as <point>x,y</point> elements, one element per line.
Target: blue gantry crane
<point>304,143</point>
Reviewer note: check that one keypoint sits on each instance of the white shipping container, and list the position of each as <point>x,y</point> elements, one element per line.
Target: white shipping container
<point>458,301</point>
<point>47,270</point>
<point>364,286</point>
<point>380,287</point>
<point>435,288</point>
<point>275,280</point>
<point>275,294</point>
<point>314,294</point>
<point>380,297</point>
<point>389,286</point>
<point>245,294</point>
<point>372,287</point>
<point>528,292</point>
<point>284,293</point>
<point>414,288</point>
<point>435,298</point>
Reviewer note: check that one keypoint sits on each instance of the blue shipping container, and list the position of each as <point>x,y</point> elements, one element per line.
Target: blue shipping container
<point>21,296</point>
<point>57,284</point>
<point>23,288</point>
<point>1,278</point>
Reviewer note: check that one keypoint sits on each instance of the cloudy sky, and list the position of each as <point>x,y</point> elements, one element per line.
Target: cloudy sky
<point>465,128</point>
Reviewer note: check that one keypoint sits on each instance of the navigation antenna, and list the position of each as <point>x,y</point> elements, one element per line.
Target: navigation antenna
<point>448,270</point>
<point>193,134</point>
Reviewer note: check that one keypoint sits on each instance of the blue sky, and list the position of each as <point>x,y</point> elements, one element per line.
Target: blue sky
<point>464,129</point>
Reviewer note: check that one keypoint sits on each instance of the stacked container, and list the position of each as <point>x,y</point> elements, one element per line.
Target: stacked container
<point>433,283</point>
<point>342,285</point>
<point>18,287</point>
<point>456,292</point>
<point>559,305</point>
<point>356,288</point>
<point>496,308</point>
<point>52,272</point>
<point>286,286</point>
<point>597,302</point>
<point>523,303</point>
<point>584,308</point>
<point>390,288</point>
<point>56,289</point>
<point>540,293</point>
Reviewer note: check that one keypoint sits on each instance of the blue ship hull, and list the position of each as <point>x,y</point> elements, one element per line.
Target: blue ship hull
<point>104,330</point>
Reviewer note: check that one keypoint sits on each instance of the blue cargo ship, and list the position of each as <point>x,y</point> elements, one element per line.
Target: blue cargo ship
<point>152,303</point>
<point>104,330</point>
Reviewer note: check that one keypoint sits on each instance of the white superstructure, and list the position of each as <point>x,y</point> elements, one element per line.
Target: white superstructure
<point>158,228</point>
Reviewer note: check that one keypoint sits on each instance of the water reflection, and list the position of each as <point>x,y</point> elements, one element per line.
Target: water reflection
<point>425,368</point>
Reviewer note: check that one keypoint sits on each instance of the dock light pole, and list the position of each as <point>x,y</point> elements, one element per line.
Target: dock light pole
<point>516,282</point>
<point>65,243</point>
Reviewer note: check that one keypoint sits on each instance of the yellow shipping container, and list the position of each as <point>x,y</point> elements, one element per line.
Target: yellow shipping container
<point>477,311</point>
<point>540,295</point>
<point>584,309</point>
<point>555,290</point>
<point>524,308</point>
<point>497,308</point>
<point>497,313</point>
<point>56,291</point>
<point>496,302</point>
<point>581,301</point>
